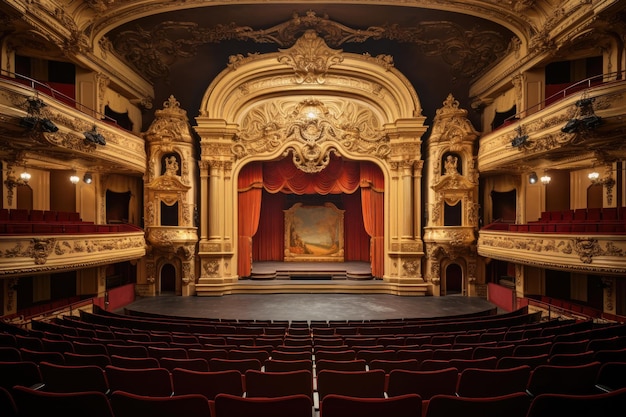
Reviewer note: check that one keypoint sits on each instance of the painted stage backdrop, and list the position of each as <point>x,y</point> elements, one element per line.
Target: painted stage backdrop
<point>314,233</point>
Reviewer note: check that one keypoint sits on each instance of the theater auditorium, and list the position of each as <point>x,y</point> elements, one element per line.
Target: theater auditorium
<point>313,208</point>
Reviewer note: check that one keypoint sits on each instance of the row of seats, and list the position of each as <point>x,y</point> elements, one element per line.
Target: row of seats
<point>52,228</point>
<point>425,387</point>
<point>24,215</point>
<point>583,214</point>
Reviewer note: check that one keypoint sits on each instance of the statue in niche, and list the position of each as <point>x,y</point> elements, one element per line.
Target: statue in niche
<point>451,165</point>
<point>171,165</point>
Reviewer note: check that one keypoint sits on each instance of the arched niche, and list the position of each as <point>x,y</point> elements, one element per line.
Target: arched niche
<point>307,103</point>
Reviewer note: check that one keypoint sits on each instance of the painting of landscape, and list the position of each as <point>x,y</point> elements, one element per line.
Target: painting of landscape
<point>314,233</point>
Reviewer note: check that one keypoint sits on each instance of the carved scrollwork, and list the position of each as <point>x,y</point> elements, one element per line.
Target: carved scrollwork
<point>310,58</point>
<point>314,128</point>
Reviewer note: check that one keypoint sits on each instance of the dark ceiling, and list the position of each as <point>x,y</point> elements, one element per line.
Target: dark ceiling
<point>439,52</point>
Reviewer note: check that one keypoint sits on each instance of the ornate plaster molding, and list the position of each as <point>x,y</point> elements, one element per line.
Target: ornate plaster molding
<point>313,129</point>
<point>151,51</point>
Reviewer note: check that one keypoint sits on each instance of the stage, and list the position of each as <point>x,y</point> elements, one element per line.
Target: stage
<point>313,278</point>
<point>311,271</point>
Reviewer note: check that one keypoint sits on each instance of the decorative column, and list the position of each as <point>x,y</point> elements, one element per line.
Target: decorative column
<point>404,202</point>
<point>450,236</point>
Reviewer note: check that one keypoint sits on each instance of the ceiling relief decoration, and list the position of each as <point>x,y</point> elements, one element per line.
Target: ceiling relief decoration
<point>315,129</point>
<point>153,50</point>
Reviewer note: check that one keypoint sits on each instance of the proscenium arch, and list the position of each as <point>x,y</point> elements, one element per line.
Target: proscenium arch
<point>247,114</point>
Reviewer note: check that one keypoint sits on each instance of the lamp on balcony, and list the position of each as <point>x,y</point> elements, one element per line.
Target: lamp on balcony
<point>87,178</point>
<point>519,139</point>
<point>93,136</point>
<point>584,118</point>
<point>532,178</point>
<point>34,119</point>
<point>74,179</point>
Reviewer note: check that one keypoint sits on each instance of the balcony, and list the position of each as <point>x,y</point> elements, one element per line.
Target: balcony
<point>597,253</point>
<point>537,139</point>
<point>86,245</point>
<point>68,133</point>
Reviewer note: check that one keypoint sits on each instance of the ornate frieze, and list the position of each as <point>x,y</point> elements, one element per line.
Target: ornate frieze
<point>38,254</point>
<point>152,51</point>
<point>595,253</point>
<point>310,58</point>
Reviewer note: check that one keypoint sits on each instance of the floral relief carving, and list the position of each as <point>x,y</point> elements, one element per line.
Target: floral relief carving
<point>211,268</point>
<point>411,267</point>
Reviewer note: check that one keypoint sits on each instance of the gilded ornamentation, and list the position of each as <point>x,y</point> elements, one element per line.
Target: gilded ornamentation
<point>310,58</point>
<point>170,124</point>
<point>153,51</point>
<point>211,268</point>
<point>315,129</point>
<point>411,267</point>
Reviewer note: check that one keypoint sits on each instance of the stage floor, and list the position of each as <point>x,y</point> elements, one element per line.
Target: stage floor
<point>311,270</point>
<point>311,306</point>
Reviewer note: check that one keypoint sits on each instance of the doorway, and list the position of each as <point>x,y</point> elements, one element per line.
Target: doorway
<point>168,279</point>
<point>454,279</point>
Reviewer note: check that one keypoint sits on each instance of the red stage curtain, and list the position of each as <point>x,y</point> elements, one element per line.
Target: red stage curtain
<point>372,198</point>
<point>268,243</point>
<point>356,240</point>
<point>338,177</point>
<point>250,187</point>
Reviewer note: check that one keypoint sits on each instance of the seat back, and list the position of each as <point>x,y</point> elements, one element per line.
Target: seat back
<point>36,403</point>
<point>64,378</point>
<point>352,365</point>
<point>126,404</point>
<point>360,384</point>
<point>512,405</point>
<point>611,404</point>
<point>492,382</point>
<point>195,364</point>
<point>147,381</point>
<point>134,363</point>
<point>19,373</point>
<point>424,383</point>
<point>408,405</point>
<point>278,384</point>
<point>208,384</point>
<point>291,406</point>
<point>241,365</point>
<point>275,365</point>
<point>554,379</point>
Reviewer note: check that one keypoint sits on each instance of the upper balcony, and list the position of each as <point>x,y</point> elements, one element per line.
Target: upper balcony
<point>47,128</point>
<point>34,246</point>
<point>570,129</point>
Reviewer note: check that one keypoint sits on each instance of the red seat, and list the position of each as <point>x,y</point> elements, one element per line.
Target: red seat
<point>126,404</point>
<point>291,406</point>
<point>492,382</point>
<point>35,403</point>
<point>279,384</point>
<point>65,378</point>
<point>208,384</point>
<point>195,364</point>
<point>148,381</point>
<point>361,384</point>
<point>424,383</point>
<point>512,405</point>
<point>611,404</point>
<point>408,405</point>
<point>564,379</point>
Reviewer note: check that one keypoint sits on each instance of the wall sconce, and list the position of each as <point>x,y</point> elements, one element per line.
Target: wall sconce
<point>11,182</point>
<point>583,118</point>
<point>87,178</point>
<point>545,179</point>
<point>34,119</point>
<point>74,179</point>
<point>607,181</point>
<point>532,178</point>
<point>92,136</point>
